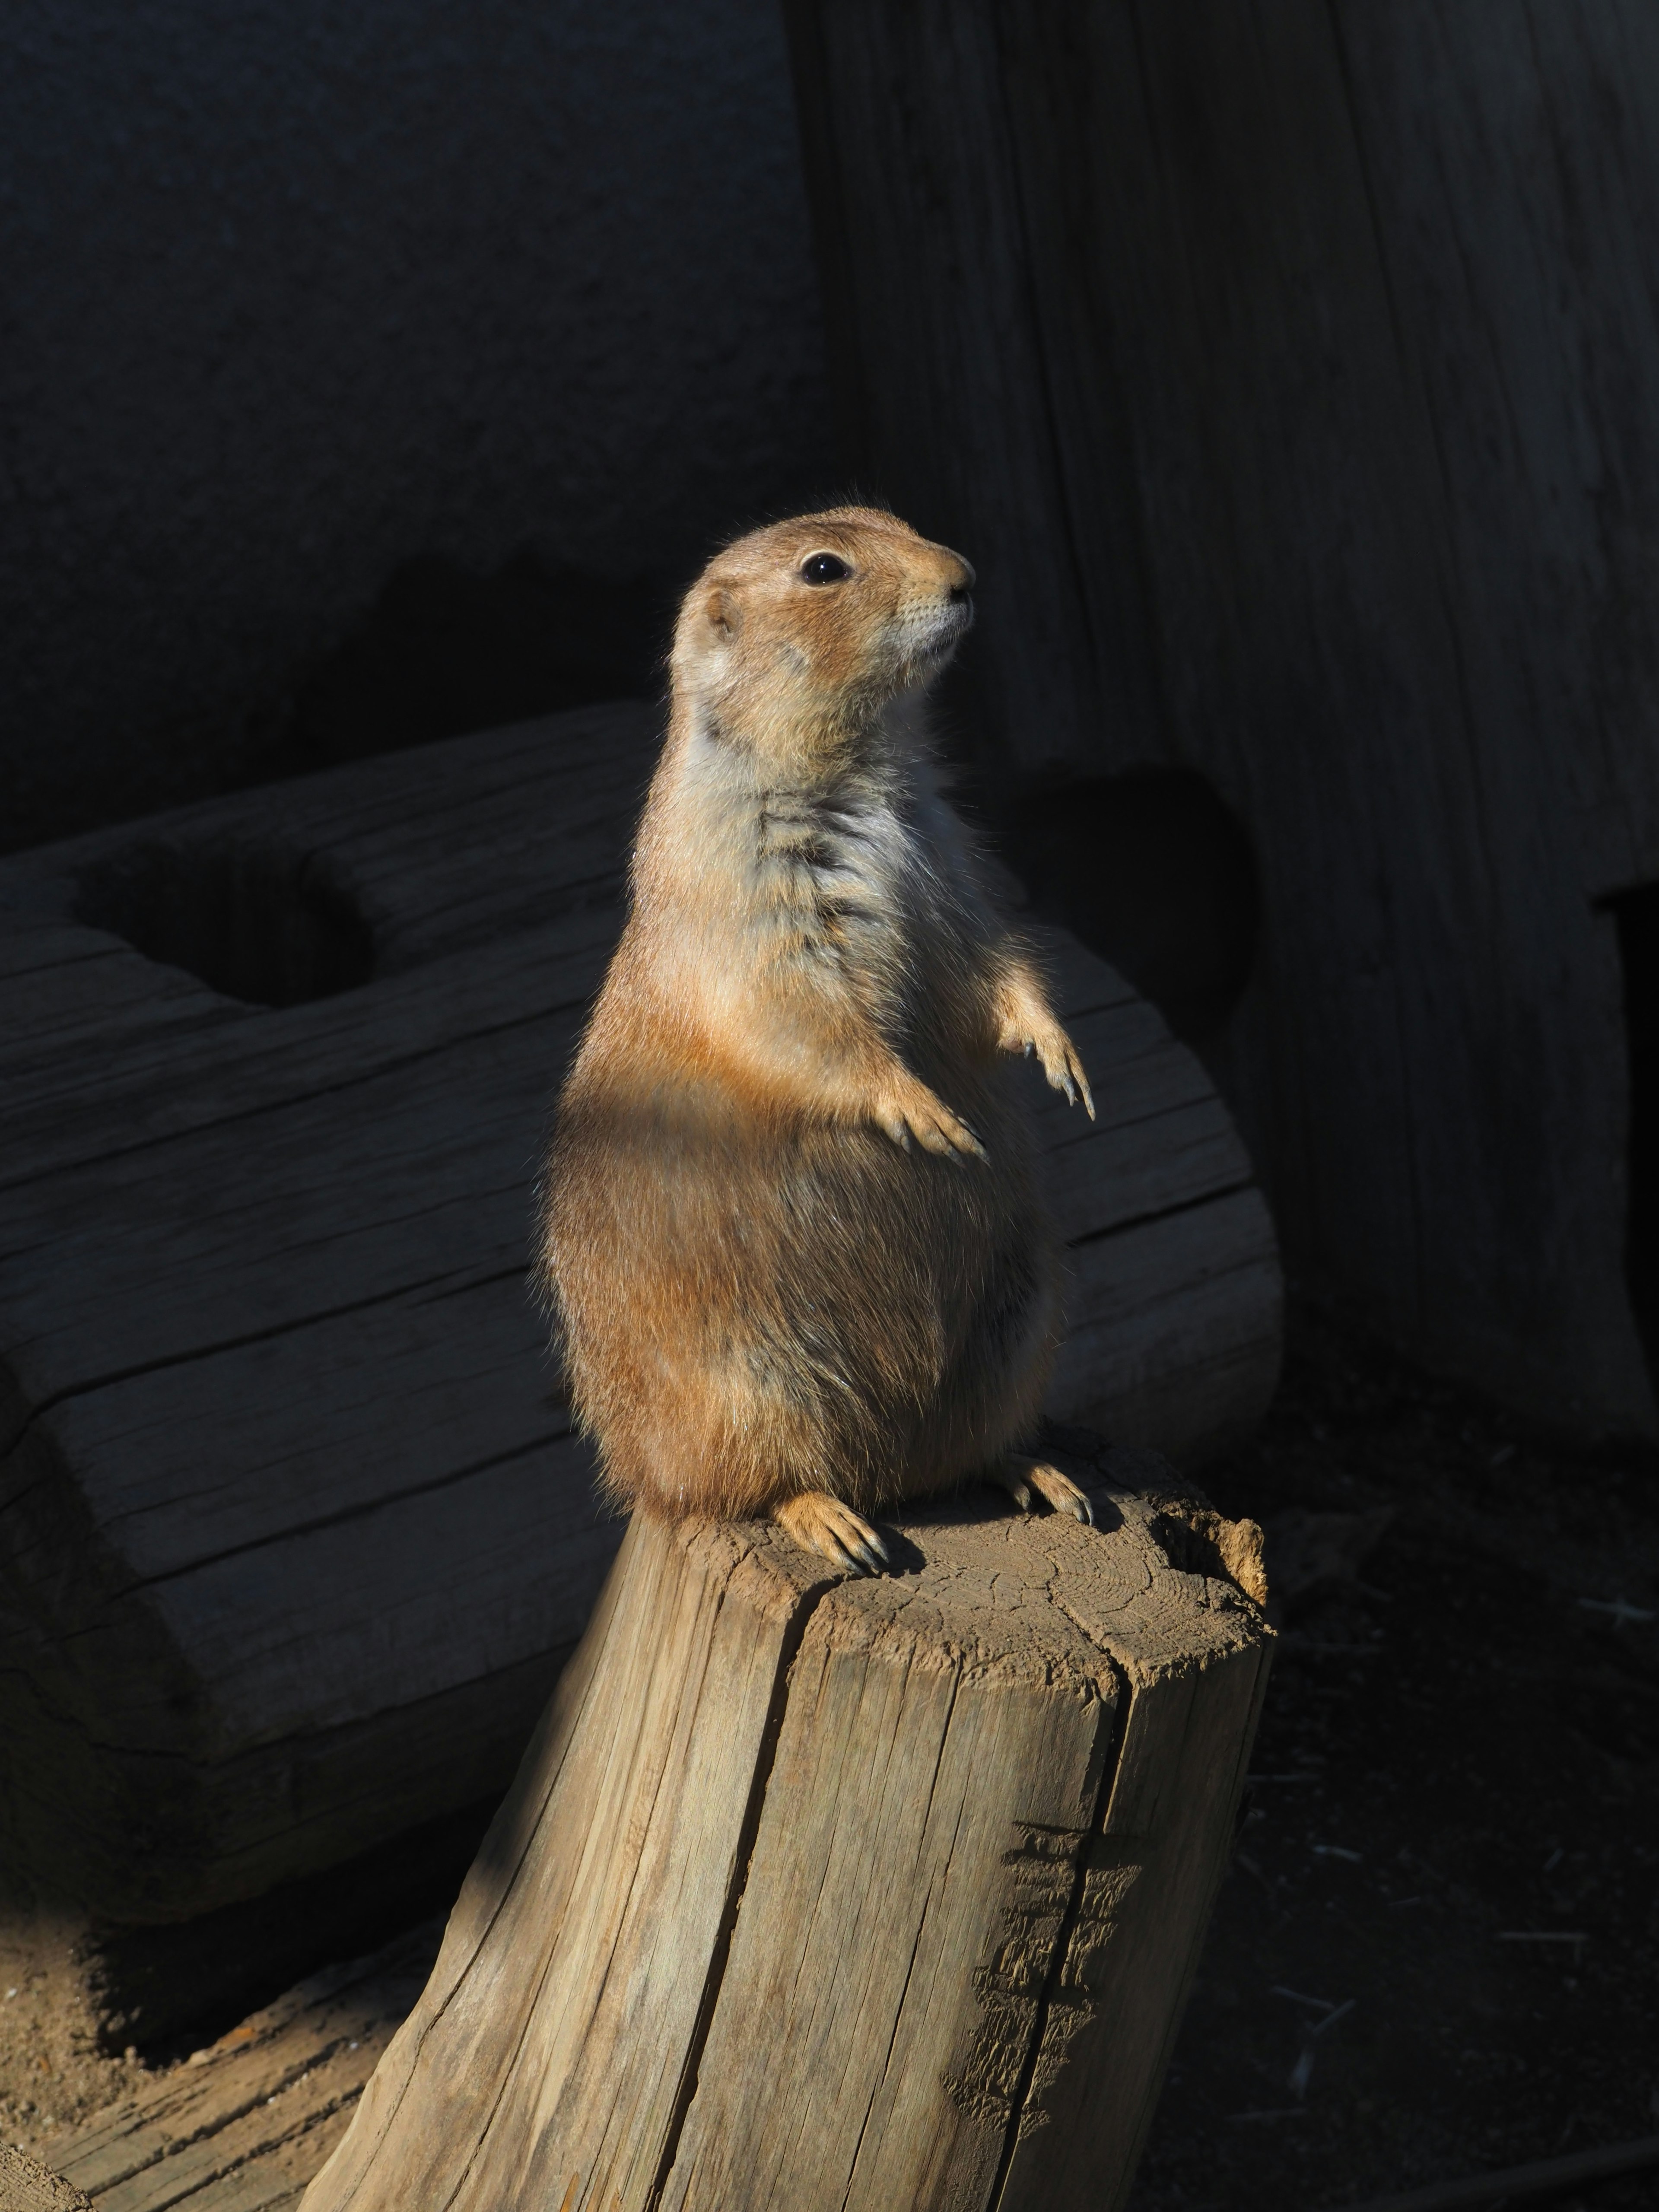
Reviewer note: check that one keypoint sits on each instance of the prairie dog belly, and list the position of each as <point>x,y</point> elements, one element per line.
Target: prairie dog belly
<point>824,1311</point>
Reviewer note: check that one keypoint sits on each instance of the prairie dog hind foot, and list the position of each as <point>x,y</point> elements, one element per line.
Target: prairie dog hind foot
<point>821,1524</point>
<point>1019,1477</point>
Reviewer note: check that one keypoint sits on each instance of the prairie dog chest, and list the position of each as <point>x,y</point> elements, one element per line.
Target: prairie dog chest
<point>845,867</point>
<point>851,887</point>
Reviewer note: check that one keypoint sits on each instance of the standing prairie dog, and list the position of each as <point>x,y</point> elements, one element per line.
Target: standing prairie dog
<point>793,1233</point>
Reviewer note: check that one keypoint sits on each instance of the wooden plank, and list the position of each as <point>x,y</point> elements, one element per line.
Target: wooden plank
<point>289,1424</point>
<point>861,1827</point>
<point>1176,1328</point>
<point>551,802</point>
<point>1162,1160</point>
<point>31,943</point>
<point>60,1109</point>
<point>227,1807</point>
<point>457,1597</point>
<point>108,990</point>
<point>1080,981</point>
<point>421,1182</point>
<point>242,2125</point>
<point>282,1429</point>
<point>168,1084</point>
<point>354,1186</point>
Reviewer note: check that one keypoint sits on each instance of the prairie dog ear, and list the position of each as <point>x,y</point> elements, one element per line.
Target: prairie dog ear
<point>722,613</point>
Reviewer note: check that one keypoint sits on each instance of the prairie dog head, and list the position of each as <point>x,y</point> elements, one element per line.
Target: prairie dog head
<point>798,635</point>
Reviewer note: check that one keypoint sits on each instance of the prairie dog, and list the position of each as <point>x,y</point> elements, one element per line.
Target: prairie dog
<point>793,1234</point>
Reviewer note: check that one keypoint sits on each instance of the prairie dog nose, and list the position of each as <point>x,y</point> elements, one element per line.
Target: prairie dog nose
<point>963,583</point>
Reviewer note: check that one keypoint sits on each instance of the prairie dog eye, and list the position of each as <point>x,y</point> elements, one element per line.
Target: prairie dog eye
<point>823,569</point>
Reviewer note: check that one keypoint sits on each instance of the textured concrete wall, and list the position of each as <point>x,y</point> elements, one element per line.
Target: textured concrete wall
<point>290,292</point>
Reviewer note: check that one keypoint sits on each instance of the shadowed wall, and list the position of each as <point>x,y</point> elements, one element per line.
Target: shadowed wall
<point>293,294</point>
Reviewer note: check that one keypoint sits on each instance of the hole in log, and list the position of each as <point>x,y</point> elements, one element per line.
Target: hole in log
<point>252,921</point>
<point>1637,913</point>
<point>1154,871</point>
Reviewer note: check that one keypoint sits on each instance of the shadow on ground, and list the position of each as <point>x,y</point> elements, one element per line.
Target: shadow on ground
<point>1438,1949</point>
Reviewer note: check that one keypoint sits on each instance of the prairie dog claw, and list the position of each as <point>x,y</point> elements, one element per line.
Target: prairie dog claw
<point>821,1524</point>
<point>926,1118</point>
<point>1020,1477</point>
<point>1059,1055</point>
<point>1064,1070</point>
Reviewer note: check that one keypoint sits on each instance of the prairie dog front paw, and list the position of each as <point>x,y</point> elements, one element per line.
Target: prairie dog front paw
<point>918,1112</point>
<point>1043,1034</point>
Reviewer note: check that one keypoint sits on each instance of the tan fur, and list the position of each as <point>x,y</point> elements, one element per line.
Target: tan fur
<point>793,1233</point>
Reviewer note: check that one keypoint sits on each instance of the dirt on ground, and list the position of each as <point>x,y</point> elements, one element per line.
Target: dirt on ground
<point>53,2073</point>
<point>1438,1949</point>
<point>1437,1952</point>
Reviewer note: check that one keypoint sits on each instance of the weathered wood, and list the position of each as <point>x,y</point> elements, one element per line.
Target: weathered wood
<point>817,1892</point>
<point>27,2187</point>
<point>244,2123</point>
<point>1288,375</point>
<point>294,1532</point>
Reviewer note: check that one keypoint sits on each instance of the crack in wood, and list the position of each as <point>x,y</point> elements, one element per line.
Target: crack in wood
<point>1040,1986</point>
<point>1010,1985</point>
<point>793,1636</point>
<point>1071,2003</point>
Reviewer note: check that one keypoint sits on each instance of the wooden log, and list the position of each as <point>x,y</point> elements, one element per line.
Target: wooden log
<point>294,1535</point>
<point>825,1892</point>
<point>1289,376</point>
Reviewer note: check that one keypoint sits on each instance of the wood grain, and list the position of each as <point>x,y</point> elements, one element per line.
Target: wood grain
<point>244,2123</point>
<point>294,1532</point>
<point>28,2186</point>
<point>1288,373</point>
<point>818,1893</point>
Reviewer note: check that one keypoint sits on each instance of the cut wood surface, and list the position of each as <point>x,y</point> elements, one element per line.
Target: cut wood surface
<point>243,2124</point>
<point>294,1532</point>
<point>817,1892</point>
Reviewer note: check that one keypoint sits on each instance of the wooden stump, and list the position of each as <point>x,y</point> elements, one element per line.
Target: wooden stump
<point>26,2186</point>
<point>815,1892</point>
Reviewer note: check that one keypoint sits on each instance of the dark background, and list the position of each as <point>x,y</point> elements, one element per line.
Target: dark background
<point>292,295</point>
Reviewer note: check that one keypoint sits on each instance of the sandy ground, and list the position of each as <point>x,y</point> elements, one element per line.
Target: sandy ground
<point>52,2074</point>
